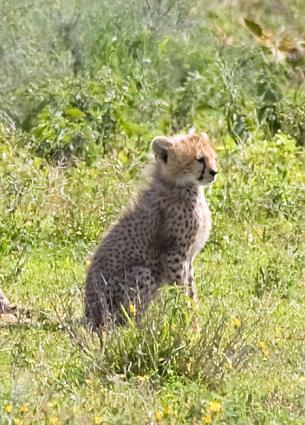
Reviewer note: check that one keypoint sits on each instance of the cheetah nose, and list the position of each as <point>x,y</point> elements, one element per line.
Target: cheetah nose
<point>213,173</point>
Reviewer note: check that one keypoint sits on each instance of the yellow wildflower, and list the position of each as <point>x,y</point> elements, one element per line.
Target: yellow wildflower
<point>97,420</point>
<point>132,309</point>
<point>53,420</point>
<point>8,408</point>
<point>158,416</point>
<point>214,407</point>
<point>262,346</point>
<point>24,408</point>
<point>207,419</point>
<point>236,323</point>
<point>18,421</point>
<point>167,411</point>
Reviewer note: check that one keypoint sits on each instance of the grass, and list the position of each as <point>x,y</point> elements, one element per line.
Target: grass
<point>242,346</point>
<point>75,129</point>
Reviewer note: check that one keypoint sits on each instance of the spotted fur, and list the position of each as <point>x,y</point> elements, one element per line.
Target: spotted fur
<point>156,239</point>
<point>5,305</point>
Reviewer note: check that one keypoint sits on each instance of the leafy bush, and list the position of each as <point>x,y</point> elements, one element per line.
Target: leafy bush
<point>75,115</point>
<point>109,82</point>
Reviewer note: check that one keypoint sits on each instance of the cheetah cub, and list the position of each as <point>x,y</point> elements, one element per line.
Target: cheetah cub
<point>156,239</point>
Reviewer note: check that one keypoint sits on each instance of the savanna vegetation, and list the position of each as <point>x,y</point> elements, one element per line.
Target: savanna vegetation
<point>84,87</point>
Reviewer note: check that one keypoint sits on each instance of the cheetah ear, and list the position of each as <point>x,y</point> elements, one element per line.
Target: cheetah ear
<point>160,146</point>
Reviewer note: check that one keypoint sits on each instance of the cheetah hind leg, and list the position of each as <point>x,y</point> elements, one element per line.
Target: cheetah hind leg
<point>131,292</point>
<point>140,288</point>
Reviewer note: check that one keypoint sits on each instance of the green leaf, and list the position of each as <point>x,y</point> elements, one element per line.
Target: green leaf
<point>163,44</point>
<point>75,113</point>
<point>123,157</point>
<point>253,27</point>
<point>37,162</point>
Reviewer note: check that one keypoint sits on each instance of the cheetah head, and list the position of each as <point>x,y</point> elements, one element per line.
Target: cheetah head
<point>185,159</point>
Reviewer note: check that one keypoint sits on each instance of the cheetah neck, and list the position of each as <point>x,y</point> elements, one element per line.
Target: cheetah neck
<point>182,191</point>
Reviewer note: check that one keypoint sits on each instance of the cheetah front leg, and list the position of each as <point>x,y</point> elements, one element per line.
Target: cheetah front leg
<point>191,288</point>
<point>182,273</point>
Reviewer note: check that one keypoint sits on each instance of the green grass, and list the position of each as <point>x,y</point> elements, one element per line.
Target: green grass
<point>182,356</point>
<point>75,130</point>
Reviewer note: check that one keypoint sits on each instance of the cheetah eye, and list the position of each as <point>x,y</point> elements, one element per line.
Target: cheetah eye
<point>200,160</point>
